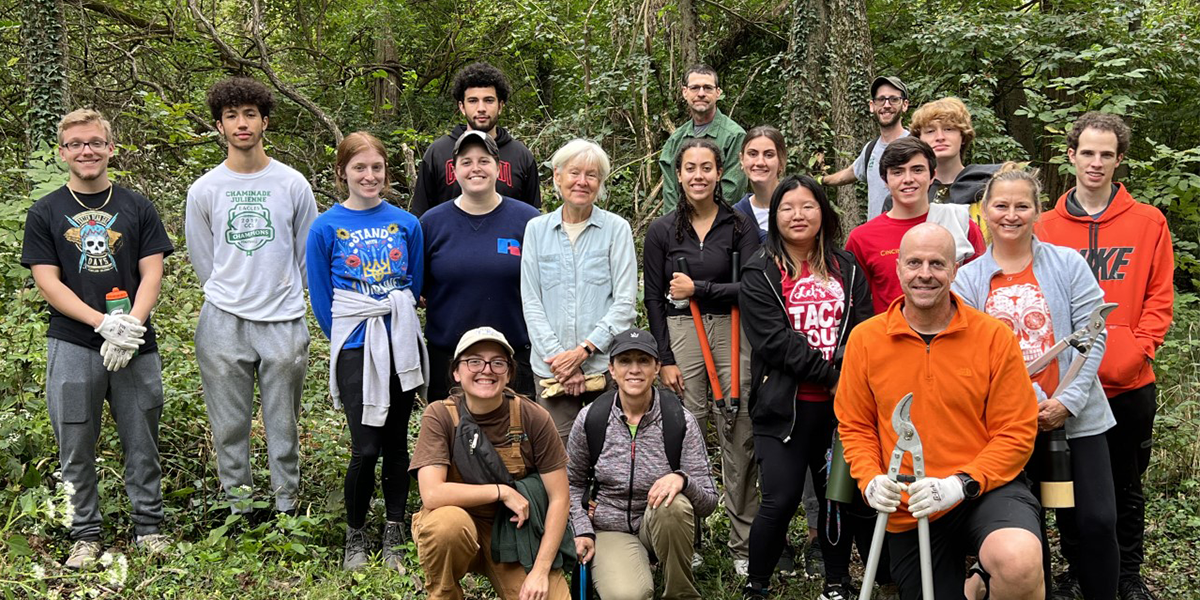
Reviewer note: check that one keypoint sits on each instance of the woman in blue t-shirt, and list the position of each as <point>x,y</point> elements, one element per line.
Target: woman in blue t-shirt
<point>364,260</point>
<point>473,263</point>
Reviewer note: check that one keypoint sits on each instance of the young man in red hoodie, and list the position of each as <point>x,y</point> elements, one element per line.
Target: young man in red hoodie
<point>1128,246</point>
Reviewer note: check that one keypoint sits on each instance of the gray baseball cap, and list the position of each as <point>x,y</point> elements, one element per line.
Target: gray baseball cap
<point>634,339</point>
<point>474,136</point>
<point>892,81</point>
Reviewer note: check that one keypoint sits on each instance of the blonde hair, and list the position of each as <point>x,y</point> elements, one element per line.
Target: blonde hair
<point>948,111</point>
<point>1015,171</point>
<point>84,116</point>
<point>359,141</point>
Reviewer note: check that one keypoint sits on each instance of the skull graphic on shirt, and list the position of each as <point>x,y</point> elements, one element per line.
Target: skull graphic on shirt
<point>1023,308</point>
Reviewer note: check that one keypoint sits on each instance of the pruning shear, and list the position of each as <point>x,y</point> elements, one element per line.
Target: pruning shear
<point>1081,340</point>
<point>907,442</point>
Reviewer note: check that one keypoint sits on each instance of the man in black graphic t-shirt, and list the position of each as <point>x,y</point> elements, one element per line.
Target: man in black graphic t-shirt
<point>89,244</point>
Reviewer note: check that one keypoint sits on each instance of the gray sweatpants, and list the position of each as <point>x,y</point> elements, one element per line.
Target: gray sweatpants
<point>231,350</point>
<point>76,386</point>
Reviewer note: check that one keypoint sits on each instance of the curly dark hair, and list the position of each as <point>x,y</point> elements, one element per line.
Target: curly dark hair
<point>239,91</point>
<point>480,75</point>
<point>684,210</point>
<point>1103,122</point>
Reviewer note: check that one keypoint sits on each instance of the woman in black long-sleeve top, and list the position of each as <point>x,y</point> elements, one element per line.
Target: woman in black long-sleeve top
<point>704,229</point>
<point>800,297</point>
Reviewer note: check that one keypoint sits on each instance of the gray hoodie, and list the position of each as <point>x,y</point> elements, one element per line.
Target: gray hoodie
<point>1072,294</point>
<point>625,478</point>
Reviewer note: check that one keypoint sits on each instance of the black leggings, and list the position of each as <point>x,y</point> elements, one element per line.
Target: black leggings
<point>1092,524</point>
<point>1129,445</point>
<point>368,443</point>
<point>781,468</point>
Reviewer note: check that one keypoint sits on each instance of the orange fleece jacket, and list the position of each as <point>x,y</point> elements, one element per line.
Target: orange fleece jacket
<point>973,405</point>
<point>1129,250</point>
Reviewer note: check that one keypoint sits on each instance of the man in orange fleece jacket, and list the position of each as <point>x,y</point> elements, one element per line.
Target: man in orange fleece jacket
<point>1128,246</point>
<point>976,413</point>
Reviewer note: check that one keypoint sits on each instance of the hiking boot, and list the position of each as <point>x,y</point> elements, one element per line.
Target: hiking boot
<point>814,562</point>
<point>356,549</point>
<point>1066,587</point>
<point>393,545</point>
<point>1134,589</point>
<point>83,555</point>
<point>787,561</point>
<point>838,591</point>
<point>152,543</point>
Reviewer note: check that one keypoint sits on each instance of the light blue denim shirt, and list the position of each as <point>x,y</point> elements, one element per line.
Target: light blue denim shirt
<point>572,293</point>
<point>1072,294</point>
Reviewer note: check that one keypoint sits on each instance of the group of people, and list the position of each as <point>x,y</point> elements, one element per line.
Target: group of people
<point>545,441</point>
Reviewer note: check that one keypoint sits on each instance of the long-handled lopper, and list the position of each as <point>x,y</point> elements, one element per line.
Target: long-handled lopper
<point>735,368</point>
<point>1058,489</point>
<point>907,441</point>
<point>710,364</point>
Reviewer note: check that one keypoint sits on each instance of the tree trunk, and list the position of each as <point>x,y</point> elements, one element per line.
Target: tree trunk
<point>386,89</point>
<point>828,67</point>
<point>45,50</point>
<point>688,30</point>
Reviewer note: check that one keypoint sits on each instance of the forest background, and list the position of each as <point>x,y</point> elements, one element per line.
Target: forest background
<point>608,70</point>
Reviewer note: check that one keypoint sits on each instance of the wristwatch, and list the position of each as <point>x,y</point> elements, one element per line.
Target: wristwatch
<point>587,348</point>
<point>971,488</point>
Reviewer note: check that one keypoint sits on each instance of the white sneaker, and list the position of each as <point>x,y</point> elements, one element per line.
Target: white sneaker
<point>697,561</point>
<point>83,555</point>
<point>153,543</point>
<point>741,567</point>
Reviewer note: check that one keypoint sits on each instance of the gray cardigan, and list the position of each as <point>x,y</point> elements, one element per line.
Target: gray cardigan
<point>1071,293</point>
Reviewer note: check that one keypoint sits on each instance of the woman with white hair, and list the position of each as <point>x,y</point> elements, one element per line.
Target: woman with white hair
<point>578,285</point>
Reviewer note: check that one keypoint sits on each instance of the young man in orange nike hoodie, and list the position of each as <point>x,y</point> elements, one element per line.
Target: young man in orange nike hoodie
<point>1128,246</point>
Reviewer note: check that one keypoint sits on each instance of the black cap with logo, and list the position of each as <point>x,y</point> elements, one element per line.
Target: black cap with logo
<point>634,339</point>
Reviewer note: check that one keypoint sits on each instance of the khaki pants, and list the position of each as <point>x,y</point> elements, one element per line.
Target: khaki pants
<point>451,543</point>
<point>563,409</point>
<point>739,472</point>
<point>621,567</point>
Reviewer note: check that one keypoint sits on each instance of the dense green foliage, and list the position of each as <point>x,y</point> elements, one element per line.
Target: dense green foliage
<point>604,70</point>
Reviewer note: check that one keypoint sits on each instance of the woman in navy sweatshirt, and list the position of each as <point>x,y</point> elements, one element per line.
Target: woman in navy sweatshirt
<point>364,261</point>
<point>473,264</point>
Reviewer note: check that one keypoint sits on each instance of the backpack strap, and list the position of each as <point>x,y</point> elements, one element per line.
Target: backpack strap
<point>867,152</point>
<point>674,426</point>
<point>452,408</point>
<point>516,433</point>
<point>596,428</point>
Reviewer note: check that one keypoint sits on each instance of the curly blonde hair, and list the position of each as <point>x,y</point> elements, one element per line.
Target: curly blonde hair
<point>948,111</point>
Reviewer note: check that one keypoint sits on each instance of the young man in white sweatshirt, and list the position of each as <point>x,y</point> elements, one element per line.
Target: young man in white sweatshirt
<point>247,222</point>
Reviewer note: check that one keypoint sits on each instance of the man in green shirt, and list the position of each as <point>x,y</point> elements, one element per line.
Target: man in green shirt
<point>700,92</point>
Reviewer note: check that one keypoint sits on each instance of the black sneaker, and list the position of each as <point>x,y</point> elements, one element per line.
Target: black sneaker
<point>1134,589</point>
<point>838,591</point>
<point>755,592</point>
<point>1066,587</point>
<point>787,561</point>
<point>814,562</point>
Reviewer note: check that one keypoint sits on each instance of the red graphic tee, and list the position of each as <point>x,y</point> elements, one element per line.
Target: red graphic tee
<point>1017,300</point>
<point>815,306</point>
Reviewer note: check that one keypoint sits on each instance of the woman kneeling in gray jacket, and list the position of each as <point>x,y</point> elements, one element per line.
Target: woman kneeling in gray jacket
<point>647,486</point>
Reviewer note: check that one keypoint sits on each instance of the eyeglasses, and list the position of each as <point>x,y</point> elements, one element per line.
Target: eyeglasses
<point>889,100</point>
<point>698,88</point>
<point>475,365</point>
<point>95,145</point>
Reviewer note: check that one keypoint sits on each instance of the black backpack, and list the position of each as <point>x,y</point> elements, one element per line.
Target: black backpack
<point>596,426</point>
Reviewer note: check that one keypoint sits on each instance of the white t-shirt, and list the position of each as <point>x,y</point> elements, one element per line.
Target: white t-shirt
<point>867,169</point>
<point>573,230</point>
<point>761,215</point>
<point>246,235</point>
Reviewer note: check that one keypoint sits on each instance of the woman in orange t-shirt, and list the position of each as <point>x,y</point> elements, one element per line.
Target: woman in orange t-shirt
<point>1044,293</point>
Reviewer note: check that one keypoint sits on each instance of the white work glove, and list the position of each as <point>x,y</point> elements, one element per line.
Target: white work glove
<point>123,331</point>
<point>115,357</point>
<point>883,494</point>
<point>930,495</point>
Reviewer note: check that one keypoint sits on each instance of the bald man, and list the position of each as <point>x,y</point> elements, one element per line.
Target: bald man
<point>976,415</point>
